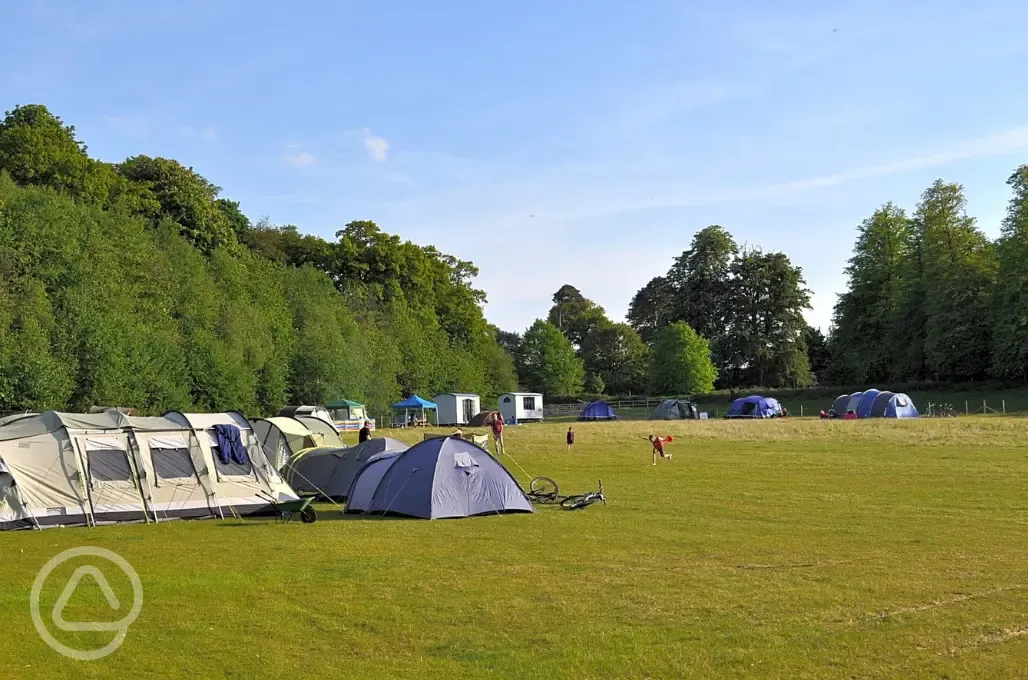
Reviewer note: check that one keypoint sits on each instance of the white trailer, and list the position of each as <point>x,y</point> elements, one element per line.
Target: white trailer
<point>521,406</point>
<point>457,409</point>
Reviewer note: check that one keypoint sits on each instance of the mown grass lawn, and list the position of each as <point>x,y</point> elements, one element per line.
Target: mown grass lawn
<point>781,549</point>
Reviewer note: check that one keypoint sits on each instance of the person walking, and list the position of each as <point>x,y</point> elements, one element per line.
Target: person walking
<point>571,439</point>
<point>365,433</point>
<point>497,428</point>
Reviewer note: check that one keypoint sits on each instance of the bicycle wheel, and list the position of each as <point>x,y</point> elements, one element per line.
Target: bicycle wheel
<point>577,502</point>
<point>543,490</point>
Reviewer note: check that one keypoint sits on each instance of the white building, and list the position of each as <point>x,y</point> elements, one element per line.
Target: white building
<point>457,409</point>
<point>521,406</point>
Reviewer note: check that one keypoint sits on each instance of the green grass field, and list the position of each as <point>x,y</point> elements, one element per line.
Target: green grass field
<point>779,549</point>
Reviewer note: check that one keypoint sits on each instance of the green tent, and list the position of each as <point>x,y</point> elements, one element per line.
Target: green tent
<point>344,409</point>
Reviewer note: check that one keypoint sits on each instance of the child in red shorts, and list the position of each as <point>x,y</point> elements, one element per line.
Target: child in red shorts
<point>658,447</point>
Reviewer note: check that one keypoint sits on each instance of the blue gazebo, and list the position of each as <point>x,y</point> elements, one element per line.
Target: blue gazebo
<point>415,404</point>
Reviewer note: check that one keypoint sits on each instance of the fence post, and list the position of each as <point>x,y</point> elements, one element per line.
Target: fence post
<point>985,409</point>
<point>1004,407</point>
<point>801,410</point>
<point>967,409</point>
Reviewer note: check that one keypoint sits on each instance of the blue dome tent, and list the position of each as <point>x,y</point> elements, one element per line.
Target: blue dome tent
<point>866,402</point>
<point>598,410</point>
<point>889,405</point>
<point>754,406</point>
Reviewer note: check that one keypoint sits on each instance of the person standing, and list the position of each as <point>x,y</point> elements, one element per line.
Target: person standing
<point>365,433</point>
<point>571,439</point>
<point>497,428</point>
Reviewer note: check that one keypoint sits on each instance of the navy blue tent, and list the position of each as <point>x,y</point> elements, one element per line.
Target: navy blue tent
<point>754,406</point>
<point>866,402</point>
<point>598,410</point>
<point>889,405</point>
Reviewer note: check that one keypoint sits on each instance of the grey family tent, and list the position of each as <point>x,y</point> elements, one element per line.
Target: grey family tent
<point>329,433</point>
<point>754,406</point>
<point>328,472</point>
<point>483,418</point>
<point>839,405</point>
<point>307,412</point>
<point>597,410</point>
<point>282,438</point>
<point>875,403</point>
<point>436,479</point>
<point>675,409</point>
<point>63,469</point>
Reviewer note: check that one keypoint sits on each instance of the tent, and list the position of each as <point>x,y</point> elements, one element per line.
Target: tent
<point>483,418</point>
<point>413,406</point>
<point>597,410</point>
<point>329,433</point>
<point>62,469</point>
<point>283,437</point>
<point>476,439</point>
<point>675,409</point>
<point>839,405</point>
<point>436,479</point>
<point>306,412</point>
<point>867,400</point>
<point>329,471</point>
<point>344,409</point>
<point>854,402</point>
<point>754,406</point>
<point>890,405</point>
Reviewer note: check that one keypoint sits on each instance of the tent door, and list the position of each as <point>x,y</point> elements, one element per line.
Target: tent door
<point>114,492</point>
<point>469,410</point>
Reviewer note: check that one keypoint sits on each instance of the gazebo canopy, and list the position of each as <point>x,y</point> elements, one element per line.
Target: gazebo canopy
<point>344,403</point>
<point>415,402</point>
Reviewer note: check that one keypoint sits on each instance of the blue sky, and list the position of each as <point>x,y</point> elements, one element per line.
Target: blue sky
<point>550,143</point>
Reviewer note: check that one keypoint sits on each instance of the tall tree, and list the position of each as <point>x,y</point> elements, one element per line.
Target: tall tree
<point>652,308</point>
<point>681,362</point>
<point>1010,330</point>
<point>574,314</point>
<point>865,313</point>
<point>958,271</point>
<point>616,353</point>
<point>699,278</point>
<point>766,345</point>
<point>550,364</point>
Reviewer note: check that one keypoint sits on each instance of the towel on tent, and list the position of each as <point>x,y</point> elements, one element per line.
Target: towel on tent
<point>230,444</point>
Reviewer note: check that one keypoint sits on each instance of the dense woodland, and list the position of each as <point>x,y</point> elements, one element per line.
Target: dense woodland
<point>137,283</point>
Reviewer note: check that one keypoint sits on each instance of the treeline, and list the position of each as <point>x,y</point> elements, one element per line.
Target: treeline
<point>930,297</point>
<point>722,316</point>
<point>136,284</point>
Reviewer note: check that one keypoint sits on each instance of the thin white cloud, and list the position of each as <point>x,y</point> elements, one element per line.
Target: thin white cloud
<point>378,147</point>
<point>302,159</point>
<point>209,134</point>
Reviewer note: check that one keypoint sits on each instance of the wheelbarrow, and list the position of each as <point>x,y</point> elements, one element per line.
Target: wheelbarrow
<point>286,510</point>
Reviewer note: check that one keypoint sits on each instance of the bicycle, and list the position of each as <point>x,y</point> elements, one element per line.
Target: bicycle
<point>543,490</point>
<point>584,500</point>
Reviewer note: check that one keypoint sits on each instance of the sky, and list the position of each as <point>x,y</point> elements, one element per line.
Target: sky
<point>550,143</point>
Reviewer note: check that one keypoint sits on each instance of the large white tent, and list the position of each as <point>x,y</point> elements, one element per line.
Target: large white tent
<point>60,469</point>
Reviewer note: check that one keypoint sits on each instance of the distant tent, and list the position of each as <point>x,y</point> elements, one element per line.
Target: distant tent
<point>889,405</point>
<point>597,410</point>
<point>281,438</point>
<point>866,402</point>
<point>328,471</point>
<point>854,402</point>
<point>344,409</point>
<point>306,412</point>
<point>436,479</point>
<point>414,404</point>
<point>839,405</point>
<point>675,409</point>
<point>328,431</point>
<point>754,406</point>
<point>482,419</point>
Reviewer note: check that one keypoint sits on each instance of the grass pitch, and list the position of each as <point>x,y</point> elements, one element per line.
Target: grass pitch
<point>780,549</point>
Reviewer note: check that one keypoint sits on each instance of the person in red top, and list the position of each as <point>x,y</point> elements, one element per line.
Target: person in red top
<point>571,439</point>
<point>658,447</point>
<point>497,428</point>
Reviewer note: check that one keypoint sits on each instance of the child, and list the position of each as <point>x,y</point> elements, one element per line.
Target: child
<point>658,447</point>
<point>571,439</point>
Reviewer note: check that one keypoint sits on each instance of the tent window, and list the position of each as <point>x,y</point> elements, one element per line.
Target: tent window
<point>172,463</point>
<point>901,401</point>
<point>109,465</point>
<point>529,403</point>
<point>231,468</point>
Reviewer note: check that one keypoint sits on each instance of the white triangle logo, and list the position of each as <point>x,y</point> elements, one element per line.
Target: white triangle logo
<point>69,590</point>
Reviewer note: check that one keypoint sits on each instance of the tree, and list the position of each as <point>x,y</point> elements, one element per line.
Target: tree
<point>819,354</point>
<point>958,270</point>
<point>681,362</point>
<point>575,315</point>
<point>652,308</point>
<point>594,384</point>
<point>616,354</point>
<point>699,278</point>
<point>1010,329</point>
<point>550,365</point>
<point>185,197</point>
<point>766,344</point>
<point>865,312</point>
